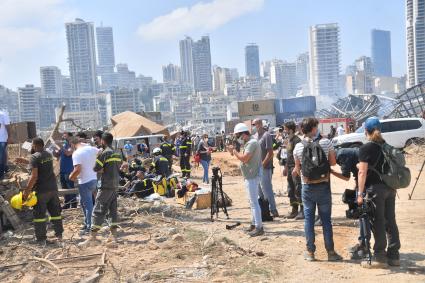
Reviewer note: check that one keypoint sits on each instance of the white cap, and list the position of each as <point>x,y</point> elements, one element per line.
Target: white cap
<point>157,150</point>
<point>240,128</point>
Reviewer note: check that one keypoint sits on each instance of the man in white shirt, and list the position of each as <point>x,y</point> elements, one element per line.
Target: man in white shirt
<point>340,130</point>
<point>84,160</point>
<point>4,139</point>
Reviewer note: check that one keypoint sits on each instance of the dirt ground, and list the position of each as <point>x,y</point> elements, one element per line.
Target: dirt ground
<point>163,242</point>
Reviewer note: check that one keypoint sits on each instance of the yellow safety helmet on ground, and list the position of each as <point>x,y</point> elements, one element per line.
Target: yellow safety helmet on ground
<point>17,203</point>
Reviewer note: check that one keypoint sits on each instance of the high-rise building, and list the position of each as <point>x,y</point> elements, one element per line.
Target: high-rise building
<point>28,98</point>
<point>415,24</point>
<point>51,82</point>
<point>122,100</point>
<point>9,103</point>
<point>325,60</point>
<point>381,52</point>
<point>66,86</point>
<point>171,73</point>
<point>186,61</point>
<point>302,69</point>
<point>105,55</point>
<point>124,78</point>
<point>364,75</point>
<point>201,58</point>
<point>283,77</point>
<point>252,60</point>
<point>81,57</point>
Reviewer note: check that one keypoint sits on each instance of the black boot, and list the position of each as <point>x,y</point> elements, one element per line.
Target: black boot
<point>300,214</point>
<point>293,213</point>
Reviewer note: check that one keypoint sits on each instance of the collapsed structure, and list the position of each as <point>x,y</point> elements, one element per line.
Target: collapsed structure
<point>361,106</point>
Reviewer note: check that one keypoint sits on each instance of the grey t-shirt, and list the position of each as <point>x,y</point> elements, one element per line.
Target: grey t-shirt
<point>266,143</point>
<point>251,169</point>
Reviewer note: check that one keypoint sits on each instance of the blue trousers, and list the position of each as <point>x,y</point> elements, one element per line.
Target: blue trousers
<point>2,159</point>
<point>317,195</point>
<point>206,165</point>
<point>86,199</point>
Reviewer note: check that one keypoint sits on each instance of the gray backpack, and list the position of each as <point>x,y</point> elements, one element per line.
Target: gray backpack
<point>397,175</point>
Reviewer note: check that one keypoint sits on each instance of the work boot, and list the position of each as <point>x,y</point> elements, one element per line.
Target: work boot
<point>358,251</point>
<point>275,214</point>
<point>309,256</point>
<point>378,261</point>
<point>91,240</point>
<point>300,215</point>
<point>257,232</point>
<point>394,262</point>
<point>293,213</point>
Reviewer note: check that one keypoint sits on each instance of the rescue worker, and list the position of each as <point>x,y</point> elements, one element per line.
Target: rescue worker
<point>43,182</point>
<point>108,163</point>
<point>168,150</point>
<point>185,149</point>
<point>159,164</point>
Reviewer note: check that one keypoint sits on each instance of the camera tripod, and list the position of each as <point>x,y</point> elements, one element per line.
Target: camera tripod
<point>217,194</point>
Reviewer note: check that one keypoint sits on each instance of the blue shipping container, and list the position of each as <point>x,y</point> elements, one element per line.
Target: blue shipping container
<point>305,104</point>
<point>282,118</point>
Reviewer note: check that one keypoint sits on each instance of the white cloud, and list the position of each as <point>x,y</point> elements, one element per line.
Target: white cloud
<point>199,17</point>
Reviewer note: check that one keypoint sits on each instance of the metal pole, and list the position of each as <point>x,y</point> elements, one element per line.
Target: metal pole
<point>417,179</point>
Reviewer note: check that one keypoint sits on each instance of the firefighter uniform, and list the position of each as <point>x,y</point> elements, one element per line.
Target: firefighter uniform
<point>106,199</point>
<point>168,150</point>
<point>185,149</point>
<point>160,166</point>
<point>47,196</point>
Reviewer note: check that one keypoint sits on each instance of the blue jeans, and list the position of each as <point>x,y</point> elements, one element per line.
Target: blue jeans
<point>266,186</point>
<point>2,159</point>
<point>66,183</point>
<point>251,186</point>
<point>206,165</point>
<point>86,199</point>
<point>320,195</point>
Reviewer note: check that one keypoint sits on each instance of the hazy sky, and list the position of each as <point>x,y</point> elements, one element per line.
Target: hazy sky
<point>146,32</point>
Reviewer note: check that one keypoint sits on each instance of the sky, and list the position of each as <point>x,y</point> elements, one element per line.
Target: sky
<point>146,32</point>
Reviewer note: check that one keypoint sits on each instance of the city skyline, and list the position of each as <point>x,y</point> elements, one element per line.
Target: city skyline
<point>224,52</point>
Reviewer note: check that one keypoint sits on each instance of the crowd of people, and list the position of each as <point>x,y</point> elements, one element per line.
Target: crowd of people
<point>309,160</point>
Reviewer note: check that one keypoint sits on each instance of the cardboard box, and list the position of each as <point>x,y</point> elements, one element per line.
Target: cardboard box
<point>203,201</point>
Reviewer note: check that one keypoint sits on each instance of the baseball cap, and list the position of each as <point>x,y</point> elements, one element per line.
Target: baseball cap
<point>372,123</point>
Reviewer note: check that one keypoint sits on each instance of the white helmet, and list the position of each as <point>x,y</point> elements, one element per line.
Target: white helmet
<point>240,128</point>
<point>157,150</point>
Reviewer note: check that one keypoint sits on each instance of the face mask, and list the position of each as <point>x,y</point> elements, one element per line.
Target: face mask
<point>241,141</point>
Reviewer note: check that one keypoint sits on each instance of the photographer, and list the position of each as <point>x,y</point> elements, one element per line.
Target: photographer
<point>372,163</point>
<point>250,166</point>
<point>347,159</point>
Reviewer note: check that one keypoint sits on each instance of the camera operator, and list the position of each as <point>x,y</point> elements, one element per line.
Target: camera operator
<point>371,160</point>
<point>250,166</point>
<point>347,159</point>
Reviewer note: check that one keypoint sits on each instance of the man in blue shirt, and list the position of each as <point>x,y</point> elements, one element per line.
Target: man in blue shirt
<point>64,154</point>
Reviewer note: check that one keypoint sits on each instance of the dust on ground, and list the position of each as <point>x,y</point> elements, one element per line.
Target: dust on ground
<point>163,242</point>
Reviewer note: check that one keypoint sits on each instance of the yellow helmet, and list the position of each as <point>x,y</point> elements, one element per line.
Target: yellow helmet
<point>31,200</point>
<point>16,201</point>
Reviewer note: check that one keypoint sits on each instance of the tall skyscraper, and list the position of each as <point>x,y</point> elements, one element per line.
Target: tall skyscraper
<point>81,57</point>
<point>171,73</point>
<point>51,82</point>
<point>28,98</point>
<point>186,61</point>
<point>302,69</point>
<point>364,75</point>
<point>105,55</point>
<point>381,52</point>
<point>283,77</point>
<point>415,24</point>
<point>252,60</point>
<point>201,58</point>
<point>325,61</point>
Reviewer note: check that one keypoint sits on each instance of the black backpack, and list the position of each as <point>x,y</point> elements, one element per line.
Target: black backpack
<point>315,163</point>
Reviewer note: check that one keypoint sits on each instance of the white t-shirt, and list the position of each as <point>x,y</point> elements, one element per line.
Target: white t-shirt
<point>4,120</point>
<point>340,131</point>
<point>86,157</point>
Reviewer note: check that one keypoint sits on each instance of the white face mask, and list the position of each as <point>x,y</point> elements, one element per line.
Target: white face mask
<point>241,141</point>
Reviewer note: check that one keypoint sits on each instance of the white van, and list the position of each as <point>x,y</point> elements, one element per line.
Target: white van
<point>396,132</point>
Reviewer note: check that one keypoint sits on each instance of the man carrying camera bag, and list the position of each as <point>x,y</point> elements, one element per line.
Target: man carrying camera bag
<point>250,166</point>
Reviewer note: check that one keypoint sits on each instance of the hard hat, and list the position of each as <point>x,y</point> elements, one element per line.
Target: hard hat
<point>240,128</point>
<point>31,200</point>
<point>157,150</point>
<point>16,201</point>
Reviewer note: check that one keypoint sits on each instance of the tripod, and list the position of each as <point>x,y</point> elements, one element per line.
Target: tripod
<point>417,179</point>
<point>217,193</point>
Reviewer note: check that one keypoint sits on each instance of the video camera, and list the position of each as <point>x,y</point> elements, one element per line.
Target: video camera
<point>354,210</point>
